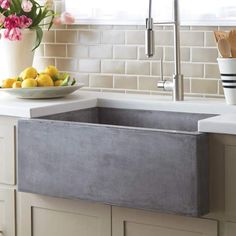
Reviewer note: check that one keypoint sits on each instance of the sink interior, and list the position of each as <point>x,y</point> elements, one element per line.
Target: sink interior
<point>134,118</point>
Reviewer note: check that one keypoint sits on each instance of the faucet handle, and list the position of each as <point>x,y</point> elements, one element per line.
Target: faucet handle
<point>164,84</point>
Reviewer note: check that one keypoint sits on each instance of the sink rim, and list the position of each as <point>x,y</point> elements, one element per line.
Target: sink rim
<point>195,133</point>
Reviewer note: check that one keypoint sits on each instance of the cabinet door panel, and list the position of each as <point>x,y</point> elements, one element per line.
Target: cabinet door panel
<point>230,229</point>
<point>7,151</point>
<point>222,178</point>
<point>230,177</point>
<point>130,222</point>
<point>40,215</point>
<point>7,212</point>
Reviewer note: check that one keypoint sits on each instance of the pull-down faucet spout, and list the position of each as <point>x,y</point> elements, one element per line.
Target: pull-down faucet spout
<point>177,84</point>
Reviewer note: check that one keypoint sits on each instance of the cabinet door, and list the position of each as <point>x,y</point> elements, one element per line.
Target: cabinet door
<point>7,212</point>
<point>130,222</point>
<point>40,215</point>
<point>222,182</point>
<point>7,151</point>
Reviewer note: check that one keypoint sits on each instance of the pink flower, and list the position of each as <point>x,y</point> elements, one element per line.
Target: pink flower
<point>26,5</point>
<point>67,18</point>
<point>2,18</point>
<point>4,4</point>
<point>12,21</point>
<point>25,21</point>
<point>57,21</point>
<point>13,34</point>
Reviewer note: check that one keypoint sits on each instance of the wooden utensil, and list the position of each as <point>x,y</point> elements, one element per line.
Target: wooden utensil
<point>220,35</point>
<point>232,41</point>
<point>224,48</point>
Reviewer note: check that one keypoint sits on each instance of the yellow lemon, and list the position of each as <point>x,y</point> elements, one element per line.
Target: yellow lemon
<point>17,84</point>
<point>29,72</point>
<point>29,83</point>
<point>7,83</point>
<point>58,82</point>
<point>52,71</point>
<point>44,80</point>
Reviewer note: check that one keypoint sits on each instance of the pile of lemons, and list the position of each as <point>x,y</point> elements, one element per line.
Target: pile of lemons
<point>30,78</point>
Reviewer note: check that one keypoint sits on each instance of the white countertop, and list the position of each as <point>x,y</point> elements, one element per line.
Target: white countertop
<point>224,123</point>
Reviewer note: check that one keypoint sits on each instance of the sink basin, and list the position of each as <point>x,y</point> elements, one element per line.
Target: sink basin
<point>150,160</point>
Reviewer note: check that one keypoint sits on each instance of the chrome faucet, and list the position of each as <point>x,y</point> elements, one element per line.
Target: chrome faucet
<point>176,85</point>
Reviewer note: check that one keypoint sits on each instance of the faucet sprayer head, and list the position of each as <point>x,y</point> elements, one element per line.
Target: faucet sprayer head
<point>149,38</point>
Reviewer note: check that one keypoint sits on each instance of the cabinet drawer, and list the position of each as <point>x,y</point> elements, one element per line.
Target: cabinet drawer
<point>7,151</point>
<point>131,222</point>
<point>7,212</point>
<point>40,215</point>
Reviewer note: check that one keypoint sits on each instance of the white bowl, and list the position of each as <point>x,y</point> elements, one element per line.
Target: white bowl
<point>42,92</point>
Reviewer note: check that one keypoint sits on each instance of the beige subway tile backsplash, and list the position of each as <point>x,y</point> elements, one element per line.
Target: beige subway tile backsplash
<point>169,54</point>
<point>100,51</point>
<point>148,83</point>
<point>89,37</point>
<point>192,70</point>
<point>135,37</point>
<point>156,68</point>
<point>204,86</point>
<point>101,81</point>
<point>125,52</point>
<point>210,39</point>
<point>82,78</point>
<point>138,67</point>
<point>164,38</point>
<point>189,38</point>
<point>204,54</point>
<point>112,57</point>
<point>125,82</point>
<point>113,37</point>
<point>113,67</point>
<point>67,64</point>
<point>55,50</point>
<point>212,71</point>
<point>77,51</point>
<point>168,68</point>
<point>66,36</point>
<point>89,65</point>
<point>49,36</point>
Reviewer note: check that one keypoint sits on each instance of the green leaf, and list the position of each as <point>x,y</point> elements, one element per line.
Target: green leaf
<point>61,76</point>
<point>73,82</point>
<point>66,81</point>
<point>39,37</point>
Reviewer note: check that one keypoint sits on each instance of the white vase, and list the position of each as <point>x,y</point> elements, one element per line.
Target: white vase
<point>227,68</point>
<point>16,55</point>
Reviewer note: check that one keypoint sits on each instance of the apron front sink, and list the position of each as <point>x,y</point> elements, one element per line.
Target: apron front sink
<point>149,160</point>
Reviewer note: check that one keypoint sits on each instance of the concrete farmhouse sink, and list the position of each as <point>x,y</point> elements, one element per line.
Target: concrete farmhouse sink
<point>133,158</point>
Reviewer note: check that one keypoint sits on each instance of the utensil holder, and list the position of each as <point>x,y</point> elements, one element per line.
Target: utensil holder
<point>227,68</point>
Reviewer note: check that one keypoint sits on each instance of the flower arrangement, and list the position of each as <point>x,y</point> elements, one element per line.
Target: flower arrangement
<point>16,15</point>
